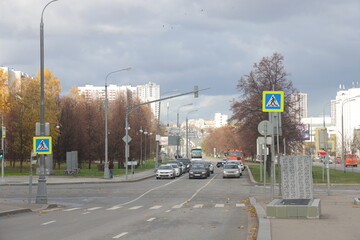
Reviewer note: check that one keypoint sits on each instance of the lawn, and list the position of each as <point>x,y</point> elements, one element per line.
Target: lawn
<point>84,171</point>
<point>337,176</point>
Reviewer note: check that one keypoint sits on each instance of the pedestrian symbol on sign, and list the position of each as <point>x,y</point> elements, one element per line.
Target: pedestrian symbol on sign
<point>42,146</point>
<point>273,102</point>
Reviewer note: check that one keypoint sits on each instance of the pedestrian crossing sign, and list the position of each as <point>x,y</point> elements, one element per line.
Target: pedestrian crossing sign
<point>42,145</point>
<point>273,101</point>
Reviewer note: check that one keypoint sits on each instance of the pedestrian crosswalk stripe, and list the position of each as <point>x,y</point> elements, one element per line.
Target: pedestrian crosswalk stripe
<point>156,207</point>
<point>219,205</point>
<point>240,205</point>
<point>198,206</point>
<point>177,206</point>
<point>114,208</point>
<point>136,207</point>
<point>94,208</point>
<point>71,209</point>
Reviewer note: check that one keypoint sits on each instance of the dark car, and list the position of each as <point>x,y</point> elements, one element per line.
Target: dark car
<point>221,163</point>
<point>198,171</point>
<point>186,162</point>
<point>205,163</point>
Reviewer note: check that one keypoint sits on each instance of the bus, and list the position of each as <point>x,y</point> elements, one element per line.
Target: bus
<point>196,154</point>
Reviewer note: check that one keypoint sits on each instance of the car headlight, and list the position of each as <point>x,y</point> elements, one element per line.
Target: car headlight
<point>191,172</point>
<point>203,172</point>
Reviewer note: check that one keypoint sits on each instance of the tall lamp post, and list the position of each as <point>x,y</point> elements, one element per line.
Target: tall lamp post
<point>150,134</point>
<point>178,126</point>
<point>106,166</point>
<point>141,147</point>
<point>342,127</point>
<point>146,133</point>
<point>187,133</point>
<point>41,196</point>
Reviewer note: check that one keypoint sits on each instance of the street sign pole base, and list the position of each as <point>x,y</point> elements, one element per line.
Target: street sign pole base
<point>41,197</point>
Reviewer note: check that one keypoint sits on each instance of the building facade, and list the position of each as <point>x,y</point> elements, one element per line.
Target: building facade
<point>301,105</point>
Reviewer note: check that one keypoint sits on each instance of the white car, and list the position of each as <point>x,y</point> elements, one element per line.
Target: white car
<point>240,164</point>
<point>165,171</point>
<point>176,168</point>
<point>231,170</point>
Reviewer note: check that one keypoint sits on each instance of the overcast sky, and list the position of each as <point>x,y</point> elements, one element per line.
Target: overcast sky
<point>181,43</point>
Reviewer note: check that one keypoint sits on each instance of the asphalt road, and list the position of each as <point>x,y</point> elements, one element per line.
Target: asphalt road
<point>213,208</point>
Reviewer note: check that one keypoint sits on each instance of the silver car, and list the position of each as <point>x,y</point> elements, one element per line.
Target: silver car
<point>231,170</point>
<point>165,171</point>
<point>176,168</point>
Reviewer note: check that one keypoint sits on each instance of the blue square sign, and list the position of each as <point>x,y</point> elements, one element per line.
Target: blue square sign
<point>273,101</point>
<point>42,145</point>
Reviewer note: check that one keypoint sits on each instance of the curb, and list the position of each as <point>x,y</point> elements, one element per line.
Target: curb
<point>264,230</point>
<point>14,211</point>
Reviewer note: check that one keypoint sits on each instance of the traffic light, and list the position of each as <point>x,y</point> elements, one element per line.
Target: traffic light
<point>196,91</point>
<point>1,153</point>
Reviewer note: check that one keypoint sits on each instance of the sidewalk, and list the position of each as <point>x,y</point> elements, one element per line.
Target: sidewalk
<point>8,208</point>
<point>339,217</point>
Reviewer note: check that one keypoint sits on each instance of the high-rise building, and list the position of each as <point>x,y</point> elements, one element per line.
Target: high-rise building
<point>347,116</point>
<point>146,93</point>
<point>12,74</point>
<point>220,120</point>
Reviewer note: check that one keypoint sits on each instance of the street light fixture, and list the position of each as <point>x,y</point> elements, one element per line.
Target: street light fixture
<point>187,133</point>
<point>41,196</point>
<point>106,166</point>
<point>177,125</point>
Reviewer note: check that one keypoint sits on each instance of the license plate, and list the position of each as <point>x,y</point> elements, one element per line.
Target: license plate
<point>197,175</point>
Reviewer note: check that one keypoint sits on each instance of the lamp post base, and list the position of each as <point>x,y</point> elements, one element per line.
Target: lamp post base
<point>106,171</point>
<point>41,197</point>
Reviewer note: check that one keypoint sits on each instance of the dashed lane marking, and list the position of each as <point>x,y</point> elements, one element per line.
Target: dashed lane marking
<point>84,213</point>
<point>47,223</point>
<point>240,205</point>
<point>178,206</point>
<point>120,235</point>
<point>219,205</point>
<point>151,219</point>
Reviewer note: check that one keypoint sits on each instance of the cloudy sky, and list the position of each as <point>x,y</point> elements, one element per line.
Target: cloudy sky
<point>181,43</point>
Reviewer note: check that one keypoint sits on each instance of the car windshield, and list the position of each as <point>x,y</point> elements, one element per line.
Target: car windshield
<point>234,162</point>
<point>185,161</point>
<point>231,166</point>
<point>165,167</point>
<point>198,166</point>
<point>174,165</point>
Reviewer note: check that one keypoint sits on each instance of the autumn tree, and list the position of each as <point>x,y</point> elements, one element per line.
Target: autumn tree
<point>269,74</point>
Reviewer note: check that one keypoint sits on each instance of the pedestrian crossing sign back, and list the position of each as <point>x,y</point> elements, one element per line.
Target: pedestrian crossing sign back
<point>42,145</point>
<point>273,101</point>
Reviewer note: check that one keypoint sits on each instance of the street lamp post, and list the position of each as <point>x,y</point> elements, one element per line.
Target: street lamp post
<point>106,166</point>
<point>141,148</point>
<point>146,133</point>
<point>178,126</point>
<point>41,196</point>
<point>150,134</point>
<point>187,133</point>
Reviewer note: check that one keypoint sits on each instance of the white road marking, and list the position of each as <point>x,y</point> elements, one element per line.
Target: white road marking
<point>84,213</point>
<point>198,206</point>
<point>114,208</point>
<point>71,209</point>
<point>178,206</point>
<point>94,208</point>
<point>240,205</point>
<point>48,223</point>
<point>136,207</point>
<point>219,205</point>
<point>120,235</point>
<point>149,192</point>
<point>168,211</point>
<point>151,219</point>
<point>156,207</point>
